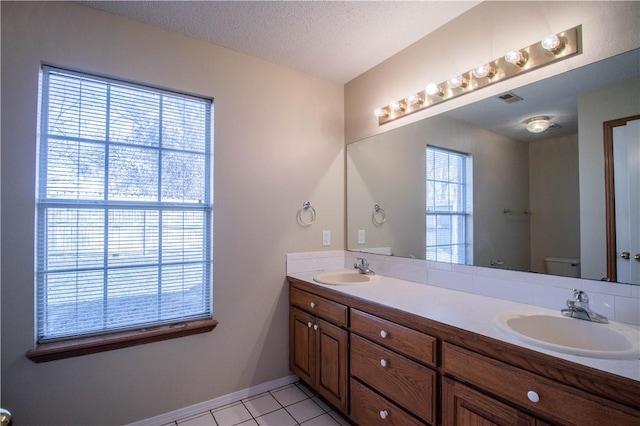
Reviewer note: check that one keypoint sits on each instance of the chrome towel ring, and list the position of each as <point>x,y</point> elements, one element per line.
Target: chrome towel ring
<point>378,215</point>
<point>306,207</point>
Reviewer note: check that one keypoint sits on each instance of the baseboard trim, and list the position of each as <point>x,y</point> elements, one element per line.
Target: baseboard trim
<point>212,404</point>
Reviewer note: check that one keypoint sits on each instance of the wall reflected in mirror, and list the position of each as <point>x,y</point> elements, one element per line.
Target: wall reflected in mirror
<point>534,201</point>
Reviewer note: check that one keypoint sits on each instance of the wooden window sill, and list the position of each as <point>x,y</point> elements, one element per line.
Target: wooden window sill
<point>46,352</point>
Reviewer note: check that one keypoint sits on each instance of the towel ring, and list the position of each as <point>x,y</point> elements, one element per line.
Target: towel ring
<point>378,215</point>
<point>306,206</point>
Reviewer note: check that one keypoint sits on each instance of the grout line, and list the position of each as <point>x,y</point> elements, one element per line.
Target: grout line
<point>298,385</point>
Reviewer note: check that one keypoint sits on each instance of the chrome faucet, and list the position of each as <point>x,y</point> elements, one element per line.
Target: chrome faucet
<point>363,266</point>
<point>578,307</point>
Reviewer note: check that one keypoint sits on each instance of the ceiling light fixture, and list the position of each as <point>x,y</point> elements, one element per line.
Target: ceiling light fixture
<point>538,124</point>
<point>534,56</point>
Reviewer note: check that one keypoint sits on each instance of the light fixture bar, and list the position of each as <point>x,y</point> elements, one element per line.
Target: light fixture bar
<point>531,57</point>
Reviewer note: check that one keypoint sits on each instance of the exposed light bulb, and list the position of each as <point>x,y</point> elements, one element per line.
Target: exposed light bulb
<point>516,57</point>
<point>484,70</point>
<point>552,43</point>
<point>434,90</point>
<point>380,112</point>
<point>414,99</point>
<point>458,81</point>
<point>538,124</point>
<point>398,106</point>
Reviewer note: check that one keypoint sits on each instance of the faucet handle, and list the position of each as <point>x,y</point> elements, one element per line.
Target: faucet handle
<point>580,296</point>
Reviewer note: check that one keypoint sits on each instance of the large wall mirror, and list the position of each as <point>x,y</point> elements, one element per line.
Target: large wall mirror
<point>473,186</point>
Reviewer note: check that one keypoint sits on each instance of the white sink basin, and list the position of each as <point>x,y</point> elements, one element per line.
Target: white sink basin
<point>344,278</point>
<point>572,336</point>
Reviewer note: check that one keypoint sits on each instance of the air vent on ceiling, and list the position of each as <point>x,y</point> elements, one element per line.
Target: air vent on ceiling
<point>509,97</point>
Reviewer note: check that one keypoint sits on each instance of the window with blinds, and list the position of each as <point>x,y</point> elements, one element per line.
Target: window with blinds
<point>124,206</point>
<point>449,201</point>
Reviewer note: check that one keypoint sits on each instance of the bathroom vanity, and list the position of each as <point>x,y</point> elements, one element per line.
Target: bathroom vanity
<point>394,352</point>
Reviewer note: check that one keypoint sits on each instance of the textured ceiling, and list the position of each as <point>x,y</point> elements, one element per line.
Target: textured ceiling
<point>335,40</point>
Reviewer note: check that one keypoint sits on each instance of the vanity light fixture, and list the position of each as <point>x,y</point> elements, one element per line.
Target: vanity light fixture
<point>552,43</point>
<point>398,106</point>
<point>381,112</point>
<point>458,81</point>
<point>414,99</point>
<point>538,124</point>
<point>434,90</point>
<point>484,70</point>
<point>516,57</point>
<point>534,56</point>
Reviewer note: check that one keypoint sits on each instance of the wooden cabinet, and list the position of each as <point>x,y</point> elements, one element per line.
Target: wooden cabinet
<point>528,392</point>
<point>370,409</point>
<point>406,341</point>
<point>389,371</point>
<point>463,406</point>
<point>318,349</point>
<point>389,367</point>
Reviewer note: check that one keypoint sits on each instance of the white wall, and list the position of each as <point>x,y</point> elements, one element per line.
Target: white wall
<point>555,199</point>
<point>268,160</point>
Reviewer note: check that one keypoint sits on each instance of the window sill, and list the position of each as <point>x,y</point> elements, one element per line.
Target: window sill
<point>90,345</point>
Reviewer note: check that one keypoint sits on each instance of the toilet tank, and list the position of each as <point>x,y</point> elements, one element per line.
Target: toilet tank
<point>563,266</point>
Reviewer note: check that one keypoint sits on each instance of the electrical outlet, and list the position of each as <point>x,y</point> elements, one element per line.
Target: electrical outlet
<point>326,238</point>
<point>360,236</point>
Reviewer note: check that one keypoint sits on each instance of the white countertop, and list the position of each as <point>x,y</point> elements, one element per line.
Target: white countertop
<point>472,313</point>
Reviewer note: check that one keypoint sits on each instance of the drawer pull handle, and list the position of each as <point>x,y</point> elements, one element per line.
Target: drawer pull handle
<point>312,304</point>
<point>533,396</point>
<point>383,414</point>
<point>383,334</point>
<point>315,327</point>
<point>309,324</point>
<point>383,362</point>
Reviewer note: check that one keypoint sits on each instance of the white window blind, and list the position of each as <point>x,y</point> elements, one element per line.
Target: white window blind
<point>124,206</point>
<point>448,206</point>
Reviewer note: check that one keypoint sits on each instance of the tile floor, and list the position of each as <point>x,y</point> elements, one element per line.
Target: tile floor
<point>291,405</point>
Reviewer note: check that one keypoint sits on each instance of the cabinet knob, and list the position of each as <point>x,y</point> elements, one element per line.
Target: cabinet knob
<point>383,414</point>
<point>383,334</point>
<point>637,257</point>
<point>533,396</point>
<point>315,327</point>
<point>312,304</point>
<point>309,324</point>
<point>383,362</point>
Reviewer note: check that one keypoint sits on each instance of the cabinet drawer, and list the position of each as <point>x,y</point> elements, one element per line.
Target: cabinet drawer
<point>370,409</point>
<point>557,402</point>
<point>407,383</point>
<point>324,308</point>
<point>407,341</point>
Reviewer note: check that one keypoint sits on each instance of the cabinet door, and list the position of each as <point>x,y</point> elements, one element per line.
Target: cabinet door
<point>332,374</point>
<point>463,406</point>
<point>302,345</point>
